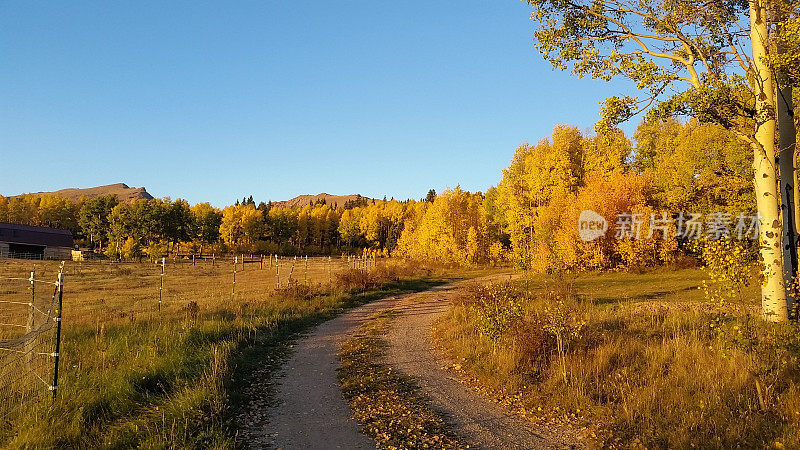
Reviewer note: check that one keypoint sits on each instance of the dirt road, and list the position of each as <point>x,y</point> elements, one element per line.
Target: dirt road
<point>475,419</point>
<point>309,411</point>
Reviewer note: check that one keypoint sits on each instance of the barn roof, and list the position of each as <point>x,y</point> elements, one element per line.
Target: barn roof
<point>26,234</point>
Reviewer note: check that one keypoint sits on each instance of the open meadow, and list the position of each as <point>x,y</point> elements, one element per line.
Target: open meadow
<point>577,224</point>
<point>107,292</point>
<point>132,374</point>
<point>636,359</point>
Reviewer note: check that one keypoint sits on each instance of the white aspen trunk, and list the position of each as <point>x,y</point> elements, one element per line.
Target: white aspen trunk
<point>773,293</point>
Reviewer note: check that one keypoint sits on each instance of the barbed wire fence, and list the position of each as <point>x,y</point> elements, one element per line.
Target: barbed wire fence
<point>30,340</point>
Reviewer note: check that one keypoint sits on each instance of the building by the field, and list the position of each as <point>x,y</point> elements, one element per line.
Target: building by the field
<point>24,241</point>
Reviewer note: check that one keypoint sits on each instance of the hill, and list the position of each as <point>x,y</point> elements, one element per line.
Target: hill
<point>332,200</point>
<point>121,190</point>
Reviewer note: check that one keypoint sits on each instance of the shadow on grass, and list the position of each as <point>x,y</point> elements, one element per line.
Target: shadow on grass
<point>643,297</point>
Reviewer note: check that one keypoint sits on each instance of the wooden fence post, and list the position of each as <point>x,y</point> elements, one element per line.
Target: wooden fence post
<point>233,293</point>
<point>161,286</point>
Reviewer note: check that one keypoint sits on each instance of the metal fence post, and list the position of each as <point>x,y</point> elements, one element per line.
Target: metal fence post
<point>57,353</point>
<point>235,261</point>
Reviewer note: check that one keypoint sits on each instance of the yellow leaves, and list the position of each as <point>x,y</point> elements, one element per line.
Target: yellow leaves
<point>563,321</point>
<point>498,307</point>
<point>241,225</point>
<point>454,229</point>
<point>728,269</point>
<point>534,178</point>
<point>545,188</point>
<point>679,166</point>
<point>610,195</point>
<point>373,222</point>
<point>388,404</point>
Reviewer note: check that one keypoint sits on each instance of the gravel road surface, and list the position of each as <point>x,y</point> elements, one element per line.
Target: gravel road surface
<point>307,410</point>
<point>477,420</point>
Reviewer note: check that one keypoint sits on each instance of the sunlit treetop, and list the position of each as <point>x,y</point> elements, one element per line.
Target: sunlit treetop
<point>686,56</point>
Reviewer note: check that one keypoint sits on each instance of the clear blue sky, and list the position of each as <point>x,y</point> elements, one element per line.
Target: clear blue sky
<point>213,101</point>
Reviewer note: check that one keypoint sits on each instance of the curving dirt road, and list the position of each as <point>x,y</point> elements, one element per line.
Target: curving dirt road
<point>475,419</point>
<point>309,411</point>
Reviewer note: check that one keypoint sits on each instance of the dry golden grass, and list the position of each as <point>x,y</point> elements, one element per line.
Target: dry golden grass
<point>132,375</point>
<point>646,361</point>
<point>109,292</point>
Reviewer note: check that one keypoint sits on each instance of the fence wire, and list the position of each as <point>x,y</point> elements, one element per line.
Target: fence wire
<point>29,319</point>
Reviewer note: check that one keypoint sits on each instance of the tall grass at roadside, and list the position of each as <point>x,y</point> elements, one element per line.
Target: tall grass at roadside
<point>132,376</point>
<point>652,372</point>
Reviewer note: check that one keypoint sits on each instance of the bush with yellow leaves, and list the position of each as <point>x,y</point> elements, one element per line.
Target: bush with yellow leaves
<point>498,307</point>
<point>730,266</point>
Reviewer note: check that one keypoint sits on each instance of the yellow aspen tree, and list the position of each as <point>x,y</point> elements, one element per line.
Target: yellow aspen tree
<point>708,60</point>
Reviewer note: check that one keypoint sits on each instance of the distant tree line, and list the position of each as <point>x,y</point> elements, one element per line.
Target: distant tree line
<point>529,218</point>
<point>159,227</point>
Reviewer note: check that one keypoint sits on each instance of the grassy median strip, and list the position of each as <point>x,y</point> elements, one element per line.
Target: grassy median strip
<point>389,405</point>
